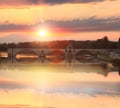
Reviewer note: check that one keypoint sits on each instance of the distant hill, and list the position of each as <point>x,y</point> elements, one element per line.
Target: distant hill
<point>17,38</point>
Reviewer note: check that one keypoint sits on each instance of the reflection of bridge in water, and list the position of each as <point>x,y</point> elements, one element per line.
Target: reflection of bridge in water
<point>103,69</point>
<point>69,54</point>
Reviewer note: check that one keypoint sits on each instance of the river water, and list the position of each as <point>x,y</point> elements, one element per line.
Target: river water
<point>58,85</point>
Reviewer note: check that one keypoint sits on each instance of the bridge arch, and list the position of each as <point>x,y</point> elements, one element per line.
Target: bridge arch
<point>26,54</point>
<point>56,56</point>
<point>84,56</point>
<point>84,52</point>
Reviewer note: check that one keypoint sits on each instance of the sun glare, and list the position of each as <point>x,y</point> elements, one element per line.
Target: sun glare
<point>42,33</point>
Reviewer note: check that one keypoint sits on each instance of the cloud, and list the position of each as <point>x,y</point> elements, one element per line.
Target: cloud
<point>7,27</point>
<point>74,87</point>
<point>76,25</point>
<point>41,2</point>
<point>21,106</point>
<point>88,88</point>
<point>88,25</point>
<point>71,1</point>
<point>7,85</point>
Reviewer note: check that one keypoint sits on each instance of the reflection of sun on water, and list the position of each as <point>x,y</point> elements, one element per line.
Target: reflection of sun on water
<point>42,21</point>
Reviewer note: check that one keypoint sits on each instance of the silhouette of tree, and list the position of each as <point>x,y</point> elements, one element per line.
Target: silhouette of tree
<point>102,43</point>
<point>11,45</point>
<point>105,39</point>
<point>119,43</point>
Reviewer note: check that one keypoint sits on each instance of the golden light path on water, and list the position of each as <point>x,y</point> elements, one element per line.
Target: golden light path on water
<point>58,86</point>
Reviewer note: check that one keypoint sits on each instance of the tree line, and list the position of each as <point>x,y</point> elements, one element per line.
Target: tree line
<point>102,43</point>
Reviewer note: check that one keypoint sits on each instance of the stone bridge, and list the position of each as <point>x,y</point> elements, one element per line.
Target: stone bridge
<point>12,52</point>
<point>69,51</point>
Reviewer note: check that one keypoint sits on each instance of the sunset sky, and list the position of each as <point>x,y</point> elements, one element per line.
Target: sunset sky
<point>60,19</point>
<point>47,85</point>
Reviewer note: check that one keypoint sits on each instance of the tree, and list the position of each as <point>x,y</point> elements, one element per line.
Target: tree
<point>119,43</point>
<point>105,39</point>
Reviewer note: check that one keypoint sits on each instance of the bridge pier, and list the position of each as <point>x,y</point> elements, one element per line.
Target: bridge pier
<point>10,55</point>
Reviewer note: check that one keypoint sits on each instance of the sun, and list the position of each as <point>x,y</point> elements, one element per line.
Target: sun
<point>42,33</point>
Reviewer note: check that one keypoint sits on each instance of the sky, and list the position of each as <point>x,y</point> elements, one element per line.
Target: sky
<point>29,20</point>
<point>59,19</point>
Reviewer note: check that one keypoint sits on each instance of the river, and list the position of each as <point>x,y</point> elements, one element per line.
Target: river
<point>58,85</point>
